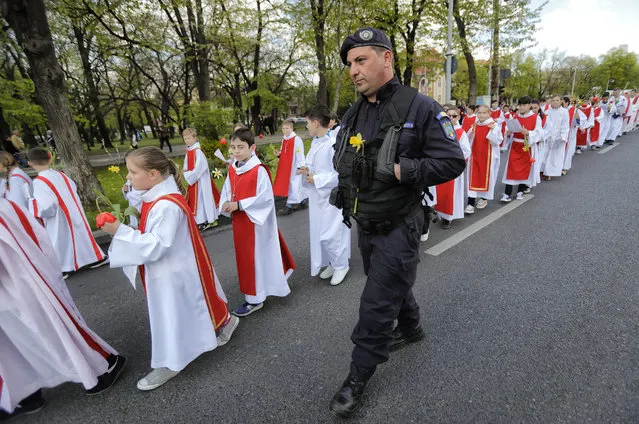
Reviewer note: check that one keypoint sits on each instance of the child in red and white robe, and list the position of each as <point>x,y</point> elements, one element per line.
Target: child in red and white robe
<point>470,119</point>
<point>187,306</point>
<point>520,169</point>
<point>18,185</point>
<point>202,193</point>
<point>263,259</point>
<point>56,202</point>
<point>450,195</point>
<point>288,182</point>
<point>44,341</point>
<point>595,133</point>
<point>583,133</point>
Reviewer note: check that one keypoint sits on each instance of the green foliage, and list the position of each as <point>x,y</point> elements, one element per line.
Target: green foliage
<point>16,101</point>
<point>211,121</point>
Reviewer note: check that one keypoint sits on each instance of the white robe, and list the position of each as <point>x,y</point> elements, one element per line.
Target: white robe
<point>330,239</point>
<point>616,124</point>
<point>45,205</point>
<point>206,208</point>
<point>296,190</point>
<point>557,129</point>
<point>459,184</point>
<point>605,123</point>
<point>533,138</point>
<point>494,137</point>
<point>579,121</point>
<point>18,179</point>
<point>40,345</point>
<point>181,327</point>
<point>270,279</point>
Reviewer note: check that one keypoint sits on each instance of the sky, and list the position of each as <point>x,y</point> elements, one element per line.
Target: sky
<point>588,27</point>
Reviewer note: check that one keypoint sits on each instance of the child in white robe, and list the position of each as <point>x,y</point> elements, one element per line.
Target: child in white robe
<point>202,191</point>
<point>288,182</point>
<point>263,259</point>
<point>44,341</point>
<point>330,239</point>
<point>18,183</point>
<point>56,201</point>
<point>557,128</point>
<point>187,306</point>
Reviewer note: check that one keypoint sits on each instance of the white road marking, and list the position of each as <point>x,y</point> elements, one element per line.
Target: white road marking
<point>607,149</point>
<point>457,238</point>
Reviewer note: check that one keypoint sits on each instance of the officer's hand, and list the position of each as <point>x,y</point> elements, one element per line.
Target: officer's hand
<point>398,172</point>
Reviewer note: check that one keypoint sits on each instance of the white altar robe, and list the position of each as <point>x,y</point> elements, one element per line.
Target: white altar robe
<point>557,129</point>
<point>330,239</point>
<point>44,341</point>
<point>206,208</point>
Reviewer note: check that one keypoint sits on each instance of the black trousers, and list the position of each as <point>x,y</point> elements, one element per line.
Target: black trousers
<point>390,263</point>
<point>167,141</point>
<point>509,189</point>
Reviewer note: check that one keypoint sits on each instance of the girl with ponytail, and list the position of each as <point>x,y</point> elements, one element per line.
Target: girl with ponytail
<point>187,307</point>
<point>18,184</point>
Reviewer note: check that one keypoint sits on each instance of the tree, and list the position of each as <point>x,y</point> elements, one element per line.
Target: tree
<point>28,20</point>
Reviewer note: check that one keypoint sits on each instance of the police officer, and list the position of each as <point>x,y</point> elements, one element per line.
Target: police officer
<point>393,143</point>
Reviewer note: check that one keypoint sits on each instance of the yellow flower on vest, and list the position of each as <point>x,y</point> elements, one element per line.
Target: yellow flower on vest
<point>357,142</point>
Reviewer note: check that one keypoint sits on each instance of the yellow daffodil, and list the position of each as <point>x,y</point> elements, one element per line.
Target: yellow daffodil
<point>356,141</point>
<point>217,174</point>
<point>114,169</point>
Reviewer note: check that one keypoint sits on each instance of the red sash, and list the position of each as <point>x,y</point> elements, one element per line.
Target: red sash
<point>480,159</point>
<point>284,168</point>
<point>495,114</point>
<point>594,131</point>
<point>519,163</point>
<point>67,215</point>
<point>192,190</point>
<point>244,186</point>
<point>446,191</point>
<point>85,335</point>
<point>469,121</point>
<point>582,137</point>
<point>216,306</point>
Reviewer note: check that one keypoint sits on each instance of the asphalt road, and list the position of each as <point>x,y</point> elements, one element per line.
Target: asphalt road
<point>532,319</point>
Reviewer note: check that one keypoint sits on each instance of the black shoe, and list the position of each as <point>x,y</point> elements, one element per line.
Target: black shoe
<point>446,224</point>
<point>29,405</point>
<point>401,338</point>
<point>98,264</point>
<point>106,380</point>
<point>348,398</point>
<point>285,211</point>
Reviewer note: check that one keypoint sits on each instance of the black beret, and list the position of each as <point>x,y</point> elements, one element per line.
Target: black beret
<point>364,37</point>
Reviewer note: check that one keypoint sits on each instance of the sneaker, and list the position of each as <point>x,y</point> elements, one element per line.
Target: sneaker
<point>226,331</point>
<point>247,309</point>
<point>285,211</point>
<point>339,275</point>
<point>520,195</point>
<point>578,151</point>
<point>548,178</point>
<point>156,378</point>
<point>327,273</point>
<point>66,275</point>
<point>98,264</point>
<point>204,227</point>
<point>592,147</point>
<point>401,338</point>
<point>446,224</point>
<point>29,405</point>
<point>527,190</point>
<point>470,209</point>
<point>505,198</point>
<point>597,147</point>
<point>481,203</point>
<point>564,172</point>
<point>106,380</point>
<point>424,237</point>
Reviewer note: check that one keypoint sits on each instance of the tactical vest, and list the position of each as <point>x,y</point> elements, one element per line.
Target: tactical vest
<point>368,189</point>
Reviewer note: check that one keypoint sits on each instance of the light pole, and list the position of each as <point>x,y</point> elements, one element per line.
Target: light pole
<point>449,53</point>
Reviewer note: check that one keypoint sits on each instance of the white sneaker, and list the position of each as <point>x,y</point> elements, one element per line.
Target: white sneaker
<point>470,209</point>
<point>423,237</point>
<point>578,151</point>
<point>227,331</point>
<point>520,195</point>
<point>338,276</point>
<point>327,273</point>
<point>481,203</point>
<point>527,190</point>
<point>505,198</point>
<point>156,378</point>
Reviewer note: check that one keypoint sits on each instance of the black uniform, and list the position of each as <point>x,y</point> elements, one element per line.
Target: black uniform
<point>411,129</point>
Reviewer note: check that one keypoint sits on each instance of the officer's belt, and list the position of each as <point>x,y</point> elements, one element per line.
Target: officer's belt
<point>383,227</point>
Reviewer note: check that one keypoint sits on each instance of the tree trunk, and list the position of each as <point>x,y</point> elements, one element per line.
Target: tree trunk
<point>319,23</point>
<point>28,18</point>
<point>494,77</point>
<point>468,54</point>
<point>92,90</point>
<point>149,119</point>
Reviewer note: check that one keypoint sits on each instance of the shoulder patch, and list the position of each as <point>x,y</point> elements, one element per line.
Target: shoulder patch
<point>409,124</point>
<point>447,126</point>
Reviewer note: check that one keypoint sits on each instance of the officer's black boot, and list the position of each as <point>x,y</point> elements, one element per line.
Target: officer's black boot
<point>403,337</point>
<point>348,398</point>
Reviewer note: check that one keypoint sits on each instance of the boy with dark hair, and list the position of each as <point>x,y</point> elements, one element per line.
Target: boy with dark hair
<point>263,259</point>
<point>55,201</point>
<point>330,238</point>
<point>288,182</point>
